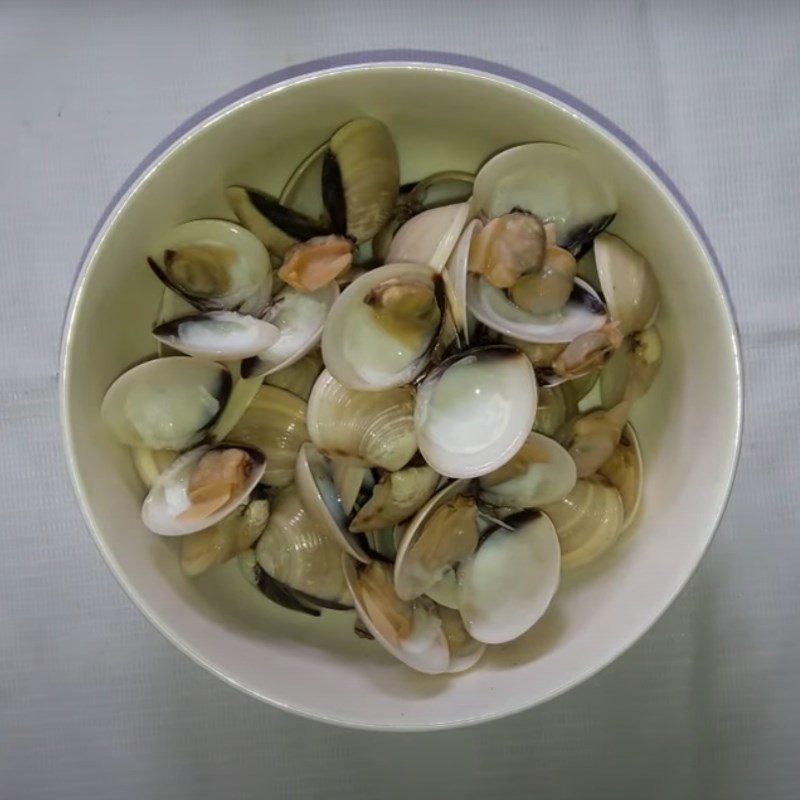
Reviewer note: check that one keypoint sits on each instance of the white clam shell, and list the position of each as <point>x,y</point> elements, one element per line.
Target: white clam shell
<point>364,428</point>
<point>223,335</point>
<point>507,585</point>
<point>429,237</point>
<point>583,313</point>
<point>555,182</point>
<point>300,319</point>
<point>475,410</point>
<point>628,282</point>
<point>543,481</point>
<point>166,403</point>
<point>357,351</point>
<point>250,274</point>
<point>167,498</point>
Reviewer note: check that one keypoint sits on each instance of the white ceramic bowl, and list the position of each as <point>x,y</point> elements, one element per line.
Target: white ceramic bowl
<point>445,112</point>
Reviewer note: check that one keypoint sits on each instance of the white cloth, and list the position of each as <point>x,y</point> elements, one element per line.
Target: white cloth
<point>94,703</point>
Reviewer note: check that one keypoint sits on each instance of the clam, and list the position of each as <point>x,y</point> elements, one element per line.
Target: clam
<point>445,591</point>
<point>172,306</point>
<point>439,189</point>
<point>441,535</point>
<point>632,368</point>
<point>382,330</point>
<point>410,631</point>
<point>429,237</point>
<point>507,584</point>
<point>228,538</point>
<point>223,335</point>
<point>556,404</point>
<point>555,182</point>
<point>584,312</point>
<point>275,423</point>
<point>593,437</point>
<point>201,487</point>
<point>214,265</point>
<point>273,590</point>
<point>349,480</point>
<point>395,497</point>
<point>315,486</point>
<point>624,471</point>
<point>584,355</point>
<point>296,551</point>
<point>363,428</point>
<point>302,192</point>
<point>588,521</point>
<point>166,404</point>
<point>474,410</point>
<point>299,317</point>
<point>541,472</point>
<point>547,291</point>
<point>276,226</point>
<point>360,178</point>
<point>629,285</point>
<point>299,377</point>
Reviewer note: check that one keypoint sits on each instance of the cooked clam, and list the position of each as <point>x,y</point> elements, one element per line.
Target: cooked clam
<point>624,471</point>
<point>151,463</point>
<point>588,521</point>
<point>308,266</point>
<point>474,410</point>
<point>382,330</point>
<point>167,403</point>
<point>547,291</point>
<point>556,183</point>
<point>299,377</point>
<point>541,472</point>
<point>456,273</point>
<point>507,584</point>
<point>296,551</point>
<point>364,428</point>
<point>201,487</point>
<point>214,265</point>
<point>632,369</point>
<point>275,423</point>
<point>594,436</point>
<point>360,178</point>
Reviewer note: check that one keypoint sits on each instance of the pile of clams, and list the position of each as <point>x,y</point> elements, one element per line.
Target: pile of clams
<point>409,401</point>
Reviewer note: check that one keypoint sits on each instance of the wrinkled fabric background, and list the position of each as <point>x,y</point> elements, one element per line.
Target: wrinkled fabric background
<point>94,703</point>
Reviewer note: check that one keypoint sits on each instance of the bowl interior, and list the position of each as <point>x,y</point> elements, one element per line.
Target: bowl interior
<point>688,423</point>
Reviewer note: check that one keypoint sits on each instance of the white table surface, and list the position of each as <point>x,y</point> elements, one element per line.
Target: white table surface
<point>94,703</point>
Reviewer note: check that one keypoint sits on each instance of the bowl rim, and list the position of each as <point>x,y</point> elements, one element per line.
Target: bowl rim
<point>423,60</point>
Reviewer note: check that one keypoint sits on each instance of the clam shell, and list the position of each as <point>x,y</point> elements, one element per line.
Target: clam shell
<point>275,423</point>
<point>475,410</point>
<point>167,499</point>
<point>295,550</point>
<point>624,470</point>
<point>507,585</point>
<point>457,271</point>
<point>298,378</point>
<point>167,403</point>
<point>364,428</point>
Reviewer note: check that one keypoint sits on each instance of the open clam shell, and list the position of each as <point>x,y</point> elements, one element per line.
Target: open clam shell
<point>223,335</point>
<point>583,313</point>
<point>475,410</point>
<point>175,506</point>
<point>541,472</point>
<point>381,331</point>
<point>300,319</point>
<point>214,265</point>
<point>411,631</point>
<point>317,490</point>
<point>624,470</point>
<point>553,181</point>
<point>628,282</point>
<point>166,404</point>
<point>457,271</point>
<point>429,237</point>
<point>303,190</point>
<point>507,584</point>
<point>365,428</point>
